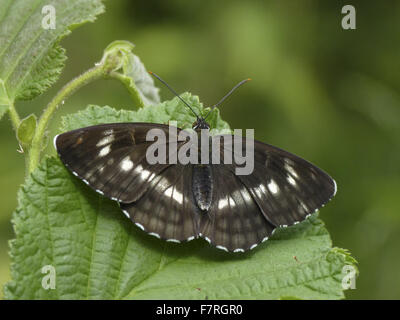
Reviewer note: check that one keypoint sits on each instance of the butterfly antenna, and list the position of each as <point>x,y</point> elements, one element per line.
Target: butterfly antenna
<point>174,92</point>
<point>227,95</point>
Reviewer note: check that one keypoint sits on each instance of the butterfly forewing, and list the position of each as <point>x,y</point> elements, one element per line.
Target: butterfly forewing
<point>286,187</point>
<point>111,158</point>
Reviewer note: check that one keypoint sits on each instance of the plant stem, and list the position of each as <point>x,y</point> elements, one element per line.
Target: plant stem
<point>95,73</point>
<point>126,81</point>
<point>15,119</point>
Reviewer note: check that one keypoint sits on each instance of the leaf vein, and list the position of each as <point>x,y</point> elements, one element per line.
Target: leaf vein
<point>121,267</point>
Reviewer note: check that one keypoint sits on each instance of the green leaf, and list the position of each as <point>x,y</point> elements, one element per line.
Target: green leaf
<point>134,74</point>
<point>162,113</point>
<point>99,254</point>
<point>30,57</point>
<point>135,71</point>
<point>45,74</point>
<point>26,130</point>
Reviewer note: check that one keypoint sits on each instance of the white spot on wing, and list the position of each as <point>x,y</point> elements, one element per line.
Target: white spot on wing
<point>105,140</point>
<point>222,203</point>
<point>168,192</point>
<point>108,132</point>
<point>154,234</point>
<point>173,240</point>
<point>335,186</point>
<point>261,190</point>
<point>238,250</point>
<point>126,213</point>
<point>54,141</point>
<point>104,151</point>
<point>144,174</point>
<point>138,169</point>
<point>253,246</point>
<point>273,187</point>
<point>126,164</point>
<point>190,238</point>
<point>262,187</point>
<point>139,225</point>
<point>174,194</point>
<point>222,248</point>
<point>289,168</point>
<point>304,206</point>
<point>239,194</point>
<point>291,180</point>
<point>178,197</point>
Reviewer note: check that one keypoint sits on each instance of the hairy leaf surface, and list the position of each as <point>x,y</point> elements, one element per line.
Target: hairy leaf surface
<point>30,58</point>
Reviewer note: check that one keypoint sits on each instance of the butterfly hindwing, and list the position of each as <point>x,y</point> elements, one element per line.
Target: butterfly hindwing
<point>167,210</point>
<point>234,221</point>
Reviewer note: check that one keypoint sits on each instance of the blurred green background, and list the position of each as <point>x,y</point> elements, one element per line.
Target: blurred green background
<point>327,94</point>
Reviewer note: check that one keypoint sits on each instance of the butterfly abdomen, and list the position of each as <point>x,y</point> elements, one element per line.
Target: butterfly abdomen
<point>202,186</point>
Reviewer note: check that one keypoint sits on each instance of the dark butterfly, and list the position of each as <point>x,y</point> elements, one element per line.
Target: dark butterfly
<point>182,202</point>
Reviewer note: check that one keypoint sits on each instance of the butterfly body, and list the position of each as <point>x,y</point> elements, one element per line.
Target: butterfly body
<point>202,185</point>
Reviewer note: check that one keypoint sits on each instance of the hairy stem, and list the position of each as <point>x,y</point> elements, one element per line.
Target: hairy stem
<point>137,100</point>
<point>36,147</point>
<point>15,119</point>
